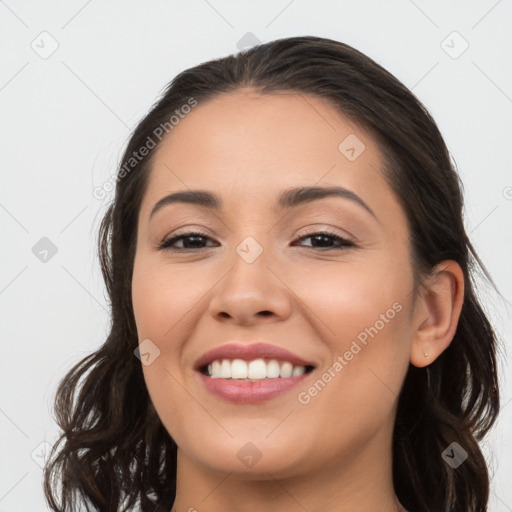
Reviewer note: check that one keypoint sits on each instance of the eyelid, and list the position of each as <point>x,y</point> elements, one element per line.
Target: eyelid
<point>312,229</point>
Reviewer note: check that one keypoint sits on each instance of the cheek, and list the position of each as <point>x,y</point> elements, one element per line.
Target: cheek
<point>349,298</point>
<point>163,304</point>
<point>354,396</point>
<point>161,298</point>
<point>159,312</point>
<point>363,317</point>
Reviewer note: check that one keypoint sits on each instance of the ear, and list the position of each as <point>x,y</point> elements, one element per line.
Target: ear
<point>437,313</point>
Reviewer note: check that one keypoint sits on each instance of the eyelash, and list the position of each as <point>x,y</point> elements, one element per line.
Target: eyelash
<point>166,245</point>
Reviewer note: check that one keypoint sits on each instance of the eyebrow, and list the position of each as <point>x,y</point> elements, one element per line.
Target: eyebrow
<point>288,199</point>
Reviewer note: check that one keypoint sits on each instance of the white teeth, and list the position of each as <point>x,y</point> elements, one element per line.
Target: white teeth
<point>225,370</point>
<point>286,370</point>
<point>298,370</point>
<point>238,369</point>
<point>256,369</point>
<point>273,369</point>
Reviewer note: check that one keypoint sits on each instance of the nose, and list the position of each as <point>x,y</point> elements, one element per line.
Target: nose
<point>252,291</point>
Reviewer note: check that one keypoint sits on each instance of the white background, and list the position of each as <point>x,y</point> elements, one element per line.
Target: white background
<point>65,120</point>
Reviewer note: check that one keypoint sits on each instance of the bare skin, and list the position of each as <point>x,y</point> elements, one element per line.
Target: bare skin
<point>333,450</point>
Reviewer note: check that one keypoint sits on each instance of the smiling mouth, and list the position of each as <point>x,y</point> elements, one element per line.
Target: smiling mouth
<point>253,370</point>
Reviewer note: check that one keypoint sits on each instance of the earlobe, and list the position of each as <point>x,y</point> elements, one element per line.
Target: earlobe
<point>438,312</point>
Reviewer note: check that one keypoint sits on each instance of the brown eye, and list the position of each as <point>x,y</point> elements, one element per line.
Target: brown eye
<point>191,241</point>
<point>325,240</point>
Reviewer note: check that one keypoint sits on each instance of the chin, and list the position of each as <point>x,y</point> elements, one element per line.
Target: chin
<point>248,460</point>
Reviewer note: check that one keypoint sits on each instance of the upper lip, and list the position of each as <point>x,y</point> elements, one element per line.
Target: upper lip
<point>248,352</point>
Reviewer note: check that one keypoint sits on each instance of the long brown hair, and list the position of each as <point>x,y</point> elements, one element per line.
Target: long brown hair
<point>114,453</point>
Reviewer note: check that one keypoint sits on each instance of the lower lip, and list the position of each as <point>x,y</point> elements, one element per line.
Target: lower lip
<point>246,392</point>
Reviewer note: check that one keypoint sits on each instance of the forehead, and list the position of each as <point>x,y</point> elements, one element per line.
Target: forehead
<point>261,128</point>
<point>247,146</point>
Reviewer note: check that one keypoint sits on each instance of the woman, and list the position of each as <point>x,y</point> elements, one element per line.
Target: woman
<point>294,324</point>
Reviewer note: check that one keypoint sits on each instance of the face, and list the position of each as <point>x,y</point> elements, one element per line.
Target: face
<point>322,285</point>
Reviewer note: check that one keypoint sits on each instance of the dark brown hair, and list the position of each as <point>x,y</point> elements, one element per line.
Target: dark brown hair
<point>114,453</point>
